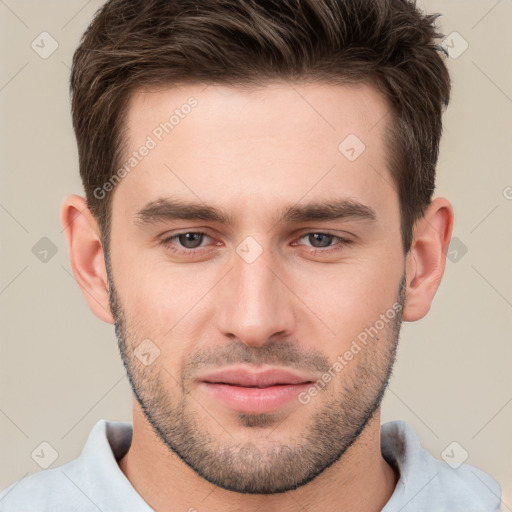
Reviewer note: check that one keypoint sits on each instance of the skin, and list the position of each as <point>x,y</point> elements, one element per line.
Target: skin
<point>252,153</point>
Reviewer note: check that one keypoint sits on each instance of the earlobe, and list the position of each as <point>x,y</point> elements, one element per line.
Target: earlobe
<point>425,262</point>
<point>86,256</point>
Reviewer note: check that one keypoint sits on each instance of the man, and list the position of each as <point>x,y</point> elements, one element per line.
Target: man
<point>258,222</point>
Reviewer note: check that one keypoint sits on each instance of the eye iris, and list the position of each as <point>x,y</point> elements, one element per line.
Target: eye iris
<point>320,236</point>
<point>194,238</point>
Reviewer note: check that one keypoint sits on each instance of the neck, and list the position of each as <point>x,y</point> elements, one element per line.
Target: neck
<point>360,480</point>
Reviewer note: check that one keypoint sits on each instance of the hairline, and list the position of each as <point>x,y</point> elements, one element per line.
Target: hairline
<point>391,137</point>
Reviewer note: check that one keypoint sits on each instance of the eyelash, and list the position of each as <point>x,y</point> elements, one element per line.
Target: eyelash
<point>337,247</point>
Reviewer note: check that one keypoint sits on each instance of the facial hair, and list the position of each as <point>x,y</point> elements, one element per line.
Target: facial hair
<point>249,467</point>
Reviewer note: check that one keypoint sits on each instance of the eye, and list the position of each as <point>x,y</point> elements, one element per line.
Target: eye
<point>187,241</point>
<point>323,239</point>
<point>322,242</point>
<point>191,242</point>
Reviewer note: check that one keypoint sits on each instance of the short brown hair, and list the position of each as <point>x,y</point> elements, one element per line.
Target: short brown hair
<point>390,44</point>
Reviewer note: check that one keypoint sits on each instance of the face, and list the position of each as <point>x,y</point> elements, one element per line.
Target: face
<point>257,232</point>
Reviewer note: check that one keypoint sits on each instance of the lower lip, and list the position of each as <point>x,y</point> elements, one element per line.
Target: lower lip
<point>255,400</point>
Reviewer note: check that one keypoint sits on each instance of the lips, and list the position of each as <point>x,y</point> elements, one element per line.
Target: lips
<point>244,377</point>
<point>255,391</point>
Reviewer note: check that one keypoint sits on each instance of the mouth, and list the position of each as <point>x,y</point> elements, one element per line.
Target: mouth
<point>253,392</point>
<point>260,386</point>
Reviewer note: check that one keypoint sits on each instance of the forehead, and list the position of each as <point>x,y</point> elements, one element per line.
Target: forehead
<point>258,147</point>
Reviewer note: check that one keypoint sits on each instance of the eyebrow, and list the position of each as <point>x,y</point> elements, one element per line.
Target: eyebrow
<point>168,209</point>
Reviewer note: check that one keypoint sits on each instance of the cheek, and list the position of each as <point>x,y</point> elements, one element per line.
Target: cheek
<point>175,305</point>
<point>172,307</point>
<point>344,300</point>
<point>164,302</point>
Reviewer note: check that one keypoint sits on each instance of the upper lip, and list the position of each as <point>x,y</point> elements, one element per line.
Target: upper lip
<point>255,378</point>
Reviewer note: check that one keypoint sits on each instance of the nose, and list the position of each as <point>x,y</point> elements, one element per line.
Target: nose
<point>256,303</point>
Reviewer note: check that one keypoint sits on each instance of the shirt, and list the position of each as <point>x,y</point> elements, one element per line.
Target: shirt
<point>94,482</point>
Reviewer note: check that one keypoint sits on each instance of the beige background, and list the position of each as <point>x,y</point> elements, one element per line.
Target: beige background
<point>59,367</point>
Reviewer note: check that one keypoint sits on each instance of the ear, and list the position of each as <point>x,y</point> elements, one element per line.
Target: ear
<point>425,262</point>
<point>86,256</point>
